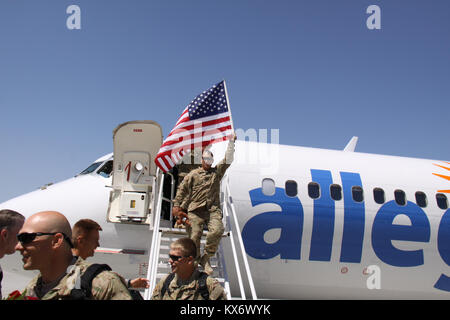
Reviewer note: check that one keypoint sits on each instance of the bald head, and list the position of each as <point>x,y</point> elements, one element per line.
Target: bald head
<point>45,245</point>
<point>48,221</point>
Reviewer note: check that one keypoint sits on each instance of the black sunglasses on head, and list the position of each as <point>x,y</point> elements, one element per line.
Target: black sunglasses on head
<point>28,237</point>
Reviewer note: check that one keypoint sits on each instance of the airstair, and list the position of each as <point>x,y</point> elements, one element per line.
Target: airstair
<point>139,196</point>
<point>223,263</point>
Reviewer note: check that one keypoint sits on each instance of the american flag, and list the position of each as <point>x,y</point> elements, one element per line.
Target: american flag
<point>206,120</point>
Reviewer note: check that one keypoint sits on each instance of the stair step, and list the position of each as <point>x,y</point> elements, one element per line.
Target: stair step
<point>167,235</point>
<point>182,232</point>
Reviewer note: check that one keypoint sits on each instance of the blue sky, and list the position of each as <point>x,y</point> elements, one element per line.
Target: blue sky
<point>310,68</point>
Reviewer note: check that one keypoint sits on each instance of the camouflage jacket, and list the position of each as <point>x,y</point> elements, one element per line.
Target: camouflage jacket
<point>105,286</point>
<point>201,188</point>
<point>188,290</point>
<point>189,162</point>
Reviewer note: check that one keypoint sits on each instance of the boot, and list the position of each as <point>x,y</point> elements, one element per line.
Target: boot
<point>204,262</point>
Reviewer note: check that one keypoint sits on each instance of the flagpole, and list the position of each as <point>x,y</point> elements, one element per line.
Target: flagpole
<point>228,104</point>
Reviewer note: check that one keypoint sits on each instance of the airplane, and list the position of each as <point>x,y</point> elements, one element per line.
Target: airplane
<point>315,223</point>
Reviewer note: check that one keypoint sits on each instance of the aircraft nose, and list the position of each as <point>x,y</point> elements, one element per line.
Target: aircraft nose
<point>48,198</point>
<point>20,204</point>
<point>75,198</point>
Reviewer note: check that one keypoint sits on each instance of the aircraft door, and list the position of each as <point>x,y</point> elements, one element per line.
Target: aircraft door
<point>136,144</point>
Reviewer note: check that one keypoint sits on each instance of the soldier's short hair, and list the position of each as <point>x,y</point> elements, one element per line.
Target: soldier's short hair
<point>186,246</point>
<point>83,227</point>
<point>10,219</point>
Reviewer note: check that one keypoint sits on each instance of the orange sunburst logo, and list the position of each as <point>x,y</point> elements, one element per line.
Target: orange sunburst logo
<point>442,175</point>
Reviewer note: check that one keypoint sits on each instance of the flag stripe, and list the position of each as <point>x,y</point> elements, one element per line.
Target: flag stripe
<point>189,136</point>
<point>182,134</point>
<point>192,125</point>
<point>164,156</point>
<point>202,144</point>
<point>190,122</point>
<point>183,118</point>
<point>162,165</point>
<point>192,140</point>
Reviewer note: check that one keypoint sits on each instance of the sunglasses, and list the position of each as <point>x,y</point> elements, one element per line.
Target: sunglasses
<point>175,258</point>
<point>28,237</point>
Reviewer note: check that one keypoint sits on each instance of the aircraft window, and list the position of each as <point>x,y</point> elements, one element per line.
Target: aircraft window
<point>441,201</point>
<point>314,190</point>
<point>336,192</point>
<point>357,194</point>
<point>378,195</point>
<point>268,187</point>
<point>291,188</point>
<point>91,168</point>
<point>421,199</point>
<point>106,169</point>
<point>400,197</point>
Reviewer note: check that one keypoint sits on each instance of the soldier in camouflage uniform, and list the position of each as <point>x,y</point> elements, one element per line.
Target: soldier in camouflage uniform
<point>44,242</point>
<point>10,224</point>
<point>106,286</point>
<point>189,162</point>
<point>185,283</point>
<point>198,196</point>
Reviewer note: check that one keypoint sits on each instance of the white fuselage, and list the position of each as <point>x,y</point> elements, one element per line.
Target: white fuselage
<point>300,242</point>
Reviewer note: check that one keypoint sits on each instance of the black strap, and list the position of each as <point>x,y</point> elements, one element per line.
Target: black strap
<point>166,283</point>
<point>135,294</point>
<point>202,287</point>
<point>86,281</point>
<point>91,272</point>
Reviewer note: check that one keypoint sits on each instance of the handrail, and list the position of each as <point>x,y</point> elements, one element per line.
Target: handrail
<point>151,272</point>
<point>241,244</point>
<point>233,249</point>
<point>223,271</point>
<point>172,193</point>
<point>157,234</point>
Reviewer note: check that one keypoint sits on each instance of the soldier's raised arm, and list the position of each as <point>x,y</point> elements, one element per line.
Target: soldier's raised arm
<point>223,165</point>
